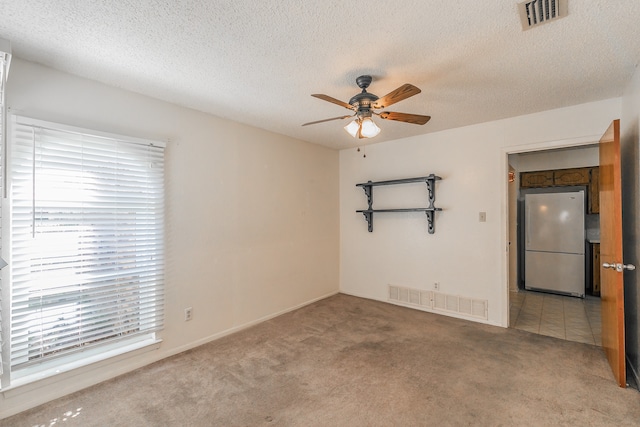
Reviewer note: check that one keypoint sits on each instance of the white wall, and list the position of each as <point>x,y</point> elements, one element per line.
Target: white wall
<point>630,159</point>
<point>252,217</point>
<point>558,159</point>
<point>467,257</point>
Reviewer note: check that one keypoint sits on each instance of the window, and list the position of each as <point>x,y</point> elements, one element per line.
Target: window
<point>86,242</point>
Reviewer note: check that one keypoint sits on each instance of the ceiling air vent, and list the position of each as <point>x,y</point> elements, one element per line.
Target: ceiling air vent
<point>537,12</point>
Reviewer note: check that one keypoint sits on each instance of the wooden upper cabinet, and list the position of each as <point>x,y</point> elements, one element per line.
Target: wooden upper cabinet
<point>594,191</point>
<point>577,176</point>
<point>536,179</point>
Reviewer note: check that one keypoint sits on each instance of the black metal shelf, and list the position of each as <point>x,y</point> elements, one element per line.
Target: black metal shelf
<point>399,181</point>
<point>400,210</point>
<point>429,211</point>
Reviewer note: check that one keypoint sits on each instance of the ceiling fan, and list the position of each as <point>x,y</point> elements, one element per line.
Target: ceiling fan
<point>364,104</point>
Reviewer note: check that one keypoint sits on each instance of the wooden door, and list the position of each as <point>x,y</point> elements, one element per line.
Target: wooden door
<point>612,292</point>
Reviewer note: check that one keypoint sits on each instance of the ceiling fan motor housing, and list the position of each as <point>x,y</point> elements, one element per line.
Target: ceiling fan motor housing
<point>362,101</point>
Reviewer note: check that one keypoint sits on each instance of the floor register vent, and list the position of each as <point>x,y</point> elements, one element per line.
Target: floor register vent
<point>437,301</point>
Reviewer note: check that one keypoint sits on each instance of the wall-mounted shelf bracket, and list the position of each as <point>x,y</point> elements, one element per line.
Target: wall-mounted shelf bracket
<point>368,216</point>
<point>368,191</point>
<point>431,188</point>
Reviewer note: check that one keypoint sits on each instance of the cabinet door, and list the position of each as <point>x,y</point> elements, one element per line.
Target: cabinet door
<point>579,176</point>
<point>594,191</point>
<point>536,179</point>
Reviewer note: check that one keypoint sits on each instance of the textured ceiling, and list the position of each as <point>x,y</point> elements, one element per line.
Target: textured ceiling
<point>257,62</point>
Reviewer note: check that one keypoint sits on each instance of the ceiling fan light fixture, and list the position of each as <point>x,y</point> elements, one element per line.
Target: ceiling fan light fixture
<point>369,128</point>
<point>352,128</point>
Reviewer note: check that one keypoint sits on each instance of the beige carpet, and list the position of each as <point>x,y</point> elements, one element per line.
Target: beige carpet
<point>346,361</point>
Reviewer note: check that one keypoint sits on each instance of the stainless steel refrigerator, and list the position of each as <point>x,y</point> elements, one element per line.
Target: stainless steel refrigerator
<point>554,242</point>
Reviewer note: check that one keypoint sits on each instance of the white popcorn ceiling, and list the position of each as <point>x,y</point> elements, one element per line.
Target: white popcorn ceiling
<point>258,62</point>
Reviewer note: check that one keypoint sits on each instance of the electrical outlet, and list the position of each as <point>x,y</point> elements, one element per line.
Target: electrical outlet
<point>188,314</point>
<point>436,286</point>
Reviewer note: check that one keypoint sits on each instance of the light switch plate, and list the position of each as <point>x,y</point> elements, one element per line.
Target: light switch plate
<point>482,217</point>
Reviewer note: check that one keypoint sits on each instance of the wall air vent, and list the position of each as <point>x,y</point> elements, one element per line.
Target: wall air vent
<point>534,13</point>
<point>430,300</point>
<point>400,294</point>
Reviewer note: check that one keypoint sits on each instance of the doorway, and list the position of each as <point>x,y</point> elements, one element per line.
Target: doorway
<point>559,316</point>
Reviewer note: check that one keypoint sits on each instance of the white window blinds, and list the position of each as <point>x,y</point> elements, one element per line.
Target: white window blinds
<point>5,57</point>
<point>87,258</point>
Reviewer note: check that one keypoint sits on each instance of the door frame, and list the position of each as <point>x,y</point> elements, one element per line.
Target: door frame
<point>504,238</point>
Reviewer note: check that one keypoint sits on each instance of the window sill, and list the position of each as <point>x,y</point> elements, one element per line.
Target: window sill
<point>21,384</point>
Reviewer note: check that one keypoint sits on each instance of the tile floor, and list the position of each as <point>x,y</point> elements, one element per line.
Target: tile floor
<point>569,318</point>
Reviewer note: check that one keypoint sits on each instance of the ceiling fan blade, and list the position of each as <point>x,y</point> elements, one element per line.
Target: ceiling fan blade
<point>403,92</point>
<point>416,119</point>
<point>327,120</point>
<point>333,101</point>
